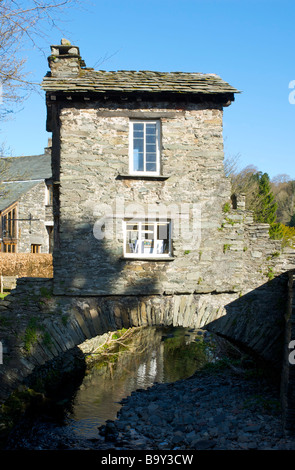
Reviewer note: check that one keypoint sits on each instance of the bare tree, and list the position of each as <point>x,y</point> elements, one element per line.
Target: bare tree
<point>284,190</point>
<point>23,23</point>
<point>243,181</point>
<point>231,165</point>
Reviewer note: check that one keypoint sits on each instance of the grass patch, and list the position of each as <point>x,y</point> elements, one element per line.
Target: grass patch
<point>3,295</point>
<point>30,337</point>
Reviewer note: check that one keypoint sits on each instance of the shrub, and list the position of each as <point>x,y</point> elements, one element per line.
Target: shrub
<point>284,233</point>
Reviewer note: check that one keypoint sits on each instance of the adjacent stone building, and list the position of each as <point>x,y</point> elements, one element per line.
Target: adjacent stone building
<point>142,205</point>
<point>26,204</point>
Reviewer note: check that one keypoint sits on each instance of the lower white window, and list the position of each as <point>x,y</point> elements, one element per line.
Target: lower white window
<point>145,239</point>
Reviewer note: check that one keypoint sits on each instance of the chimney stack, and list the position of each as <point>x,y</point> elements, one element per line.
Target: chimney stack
<point>65,60</point>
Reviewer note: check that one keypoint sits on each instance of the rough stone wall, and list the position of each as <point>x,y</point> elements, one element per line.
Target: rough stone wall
<point>219,251</point>
<point>94,150</point>
<point>33,232</point>
<point>26,264</point>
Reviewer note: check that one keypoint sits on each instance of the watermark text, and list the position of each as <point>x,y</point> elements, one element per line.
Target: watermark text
<point>292,353</point>
<point>292,93</point>
<point>185,218</point>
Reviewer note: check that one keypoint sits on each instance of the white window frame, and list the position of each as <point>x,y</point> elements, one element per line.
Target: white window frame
<point>158,139</point>
<point>138,253</point>
<point>48,194</point>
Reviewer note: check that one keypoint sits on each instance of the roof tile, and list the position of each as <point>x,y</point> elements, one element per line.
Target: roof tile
<point>125,80</point>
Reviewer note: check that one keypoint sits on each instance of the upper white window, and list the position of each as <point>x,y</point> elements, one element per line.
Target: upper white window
<point>145,147</point>
<point>143,238</point>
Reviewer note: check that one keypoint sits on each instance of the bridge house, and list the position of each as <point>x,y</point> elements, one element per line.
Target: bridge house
<point>146,230</point>
<point>139,183</point>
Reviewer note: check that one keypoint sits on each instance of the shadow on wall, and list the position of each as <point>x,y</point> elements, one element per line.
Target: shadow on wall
<point>87,266</point>
<point>257,321</point>
<point>56,324</point>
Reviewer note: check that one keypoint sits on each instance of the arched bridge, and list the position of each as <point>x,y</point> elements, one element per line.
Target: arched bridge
<point>38,327</point>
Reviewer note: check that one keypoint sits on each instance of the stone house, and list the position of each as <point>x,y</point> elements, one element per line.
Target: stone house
<point>142,205</point>
<point>26,204</point>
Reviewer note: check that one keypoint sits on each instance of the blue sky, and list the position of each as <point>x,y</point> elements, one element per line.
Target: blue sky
<point>250,44</point>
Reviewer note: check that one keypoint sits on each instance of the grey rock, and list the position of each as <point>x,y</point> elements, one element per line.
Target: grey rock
<point>156,420</point>
<point>203,444</point>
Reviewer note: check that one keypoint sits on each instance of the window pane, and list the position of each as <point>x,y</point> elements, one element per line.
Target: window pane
<point>151,166</point>
<point>163,231</point>
<point>151,129</point>
<point>148,227</point>
<point>132,227</point>
<point>131,238</point>
<point>151,157</point>
<point>137,161</point>
<point>138,126</point>
<point>151,139</point>
<point>163,236</point>
<point>4,225</point>
<point>138,145</point>
<point>151,148</point>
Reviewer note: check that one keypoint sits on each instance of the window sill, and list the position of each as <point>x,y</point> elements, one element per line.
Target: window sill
<point>147,258</point>
<point>143,177</point>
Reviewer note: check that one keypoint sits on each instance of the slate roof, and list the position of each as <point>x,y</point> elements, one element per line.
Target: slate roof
<point>124,81</point>
<point>20,174</point>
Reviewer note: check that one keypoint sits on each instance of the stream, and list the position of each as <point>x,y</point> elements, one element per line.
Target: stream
<point>153,355</point>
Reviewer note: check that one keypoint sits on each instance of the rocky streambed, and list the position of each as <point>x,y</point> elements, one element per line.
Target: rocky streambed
<point>218,410</point>
<point>229,403</point>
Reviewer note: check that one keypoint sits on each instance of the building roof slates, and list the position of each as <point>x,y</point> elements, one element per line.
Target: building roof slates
<point>149,81</point>
<point>20,174</point>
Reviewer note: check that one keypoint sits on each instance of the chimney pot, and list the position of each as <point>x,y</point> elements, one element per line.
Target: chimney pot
<point>65,42</point>
<point>65,60</point>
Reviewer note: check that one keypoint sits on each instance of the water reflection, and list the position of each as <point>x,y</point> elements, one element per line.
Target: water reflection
<point>154,355</point>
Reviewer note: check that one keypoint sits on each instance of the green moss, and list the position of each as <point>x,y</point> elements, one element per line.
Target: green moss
<point>270,273</point>
<point>226,247</point>
<point>5,322</point>
<point>30,336</point>
<point>3,295</point>
<point>33,332</point>
<point>44,292</point>
<point>18,403</point>
<point>217,366</point>
<point>46,340</point>
<point>64,319</point>
<point>230,221</point>
<point>226,208</point>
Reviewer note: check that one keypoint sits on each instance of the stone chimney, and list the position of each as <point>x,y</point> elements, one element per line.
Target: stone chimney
<point>65,60</point>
